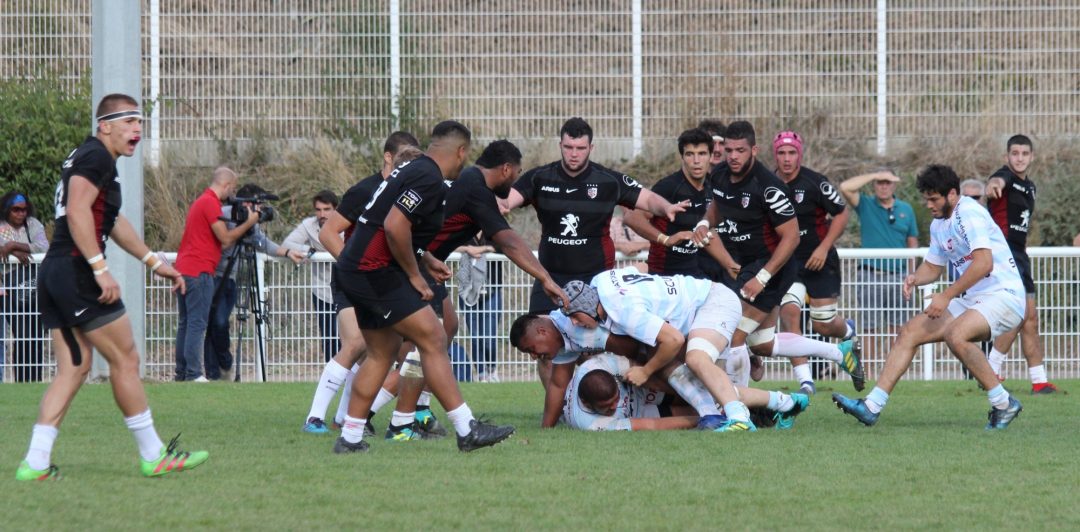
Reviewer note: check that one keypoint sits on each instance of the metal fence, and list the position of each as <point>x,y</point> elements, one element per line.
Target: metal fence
<point>293,345</point>
<point>638,70</point>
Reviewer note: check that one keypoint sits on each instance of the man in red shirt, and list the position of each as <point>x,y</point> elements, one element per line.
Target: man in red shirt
<point>200,251</point>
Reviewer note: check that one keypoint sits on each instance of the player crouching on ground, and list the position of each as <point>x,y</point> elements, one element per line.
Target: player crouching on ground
<point>600,398</point>
<point>986,301</point>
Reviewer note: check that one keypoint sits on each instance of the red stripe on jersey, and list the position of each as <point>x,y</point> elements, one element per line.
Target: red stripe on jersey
<point>999,211</point>
<point>349,231</point>
<point>451,226</point>
<point>657,252</point>
<point>821,224</point>
<point>771,238</point>
<point>377,254</point>
<point>608,245</point>
<point>99,216</point>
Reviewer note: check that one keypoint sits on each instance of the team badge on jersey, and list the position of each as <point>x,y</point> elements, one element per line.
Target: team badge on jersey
<point>745,200</point>
<point>799,195</point>
<point>409,200</point>
<point>591,192</point>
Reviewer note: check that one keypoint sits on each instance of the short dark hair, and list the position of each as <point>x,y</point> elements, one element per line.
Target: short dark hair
<point>713,126</point>
<point>325,196</point>
<point>597,385</point>
<point>249,190</point>
<point>937,178</point>
<point>451,128</point>
<point>520,327</point>
<point>576,128</point>
<point>110,102</point>
<point>7,202</point>
<point>741,129</point>
<point>498,153</point>
<point>1021,140</point>
<point>398,139</point>
<point>694,136</point>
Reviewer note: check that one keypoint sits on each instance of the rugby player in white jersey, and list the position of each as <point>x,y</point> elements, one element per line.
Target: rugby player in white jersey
<point>985,301</point>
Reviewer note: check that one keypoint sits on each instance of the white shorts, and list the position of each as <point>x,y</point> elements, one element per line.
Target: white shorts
<point>720,312</point>
<point>996,309</point>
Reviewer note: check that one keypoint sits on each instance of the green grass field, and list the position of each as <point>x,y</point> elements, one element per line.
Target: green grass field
<point>928,464</point>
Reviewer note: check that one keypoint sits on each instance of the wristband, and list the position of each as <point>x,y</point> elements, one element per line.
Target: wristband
<point>155,267</point>
<point>702,223</point>
<point>661,239</point>
<point>146,258</point>
<point>101,271</point>
<point>763,276</point>
<point>95,259</point>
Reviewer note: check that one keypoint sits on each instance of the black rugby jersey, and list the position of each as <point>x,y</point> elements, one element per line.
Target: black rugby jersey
<point>93,161</point>
<point>683,258</point>
<point>470,207</point>
<point>1013,210</point>
<point>356,198</point>
<point>416,189</point>
<point>815,199</point>
<point>575,213</point>
<point>750,211</point>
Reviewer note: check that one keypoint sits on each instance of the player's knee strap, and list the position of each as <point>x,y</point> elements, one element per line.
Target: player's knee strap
<point>410,367</point>
<point>824,313</point>
<point>701,344</point>
<point>748,325</point>
<point>796,295</point>
<point>761,336</point>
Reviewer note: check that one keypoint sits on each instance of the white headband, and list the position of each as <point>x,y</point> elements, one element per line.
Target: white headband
<point>120,115</point>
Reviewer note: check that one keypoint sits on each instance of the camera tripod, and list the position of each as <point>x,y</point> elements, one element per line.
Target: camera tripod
<point>249,301</point>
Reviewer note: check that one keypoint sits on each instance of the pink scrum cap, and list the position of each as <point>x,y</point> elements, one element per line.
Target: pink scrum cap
<point>788,138</point>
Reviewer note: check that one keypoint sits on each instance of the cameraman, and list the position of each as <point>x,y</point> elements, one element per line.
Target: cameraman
<point>200,251</point>
<point>305,239</point>
<point>216,352</point>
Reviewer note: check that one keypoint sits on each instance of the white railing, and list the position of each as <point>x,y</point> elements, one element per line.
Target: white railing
<point>293,346</point>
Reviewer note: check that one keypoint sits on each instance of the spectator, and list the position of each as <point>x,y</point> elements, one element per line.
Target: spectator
<point>974,189</point>
<point>305,239</point>
<point>20,235</point>
<point>480,302</point>
<point>626,240</point>
<point>216,351</point>
<point>199,254</point>
<point>886,222</point>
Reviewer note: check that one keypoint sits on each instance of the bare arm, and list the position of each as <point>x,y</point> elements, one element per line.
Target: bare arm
<point>515,249</point>
<point>227,236</point>
<point>663,423</point>
<point>656,204</point>
<point>669,341</point>
<point>80,218</point>
<point>512,201</point>
<point>994,187</point>
<point>398,229</point>
<point>330,234</point>
<point>850,187</point>
<point>556,393</point>
<point>821,253</point>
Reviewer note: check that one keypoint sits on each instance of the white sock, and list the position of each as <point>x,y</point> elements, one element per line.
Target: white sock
<point>142,427</point>
<point>691,389</point>
<point>996,359</point>
<point>401,419</point>
<point>802,373</point>
<point>460,417</point>
<point>39,456</point>
<point>793,345</point>
<point>353,429</point>
<point>780,402</point>
<point>333,376</point>
<point>737,411</point>
<point>381,400</point>
<point>1038,374</point>
<point>346,396</point>
<point>424,400</point>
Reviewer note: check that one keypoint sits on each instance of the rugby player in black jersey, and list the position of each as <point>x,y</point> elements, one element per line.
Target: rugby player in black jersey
<point>1011,195</point>
<point>755,220</point>
<point>379,272</point>
<point>673,251</point>
<point>822,216</point>
<point>79,299</point>
<point>338,372</point>
<point>574,199</point>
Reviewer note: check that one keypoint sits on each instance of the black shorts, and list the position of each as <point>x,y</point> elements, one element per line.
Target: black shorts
<point>823,283</point>
<point>1023,264</point>
<point>770,297</point>
<point>67,295</point>
<point>381,298</point>
<point>441,293</point>
<point>540,303</point>
<point>340,301</point>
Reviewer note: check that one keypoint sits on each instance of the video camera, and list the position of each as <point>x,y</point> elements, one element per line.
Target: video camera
<point>239,214</point>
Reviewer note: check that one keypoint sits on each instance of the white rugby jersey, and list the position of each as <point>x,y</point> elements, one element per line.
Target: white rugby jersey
<point>970,227</point>
<point>577,341</point>
<point>637,304</point>
<point>634,402</point>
